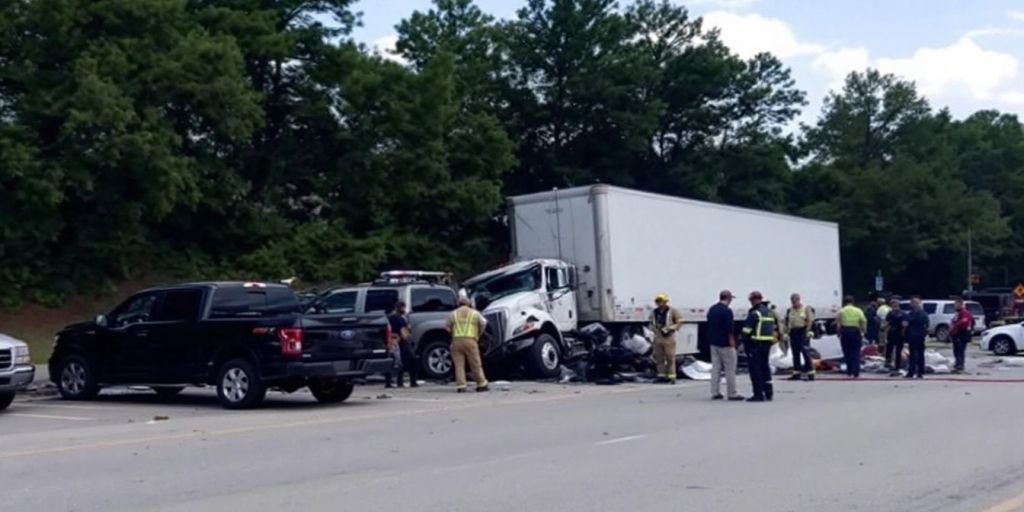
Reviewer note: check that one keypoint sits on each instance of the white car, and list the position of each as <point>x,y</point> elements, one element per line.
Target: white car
<point>941,314</point>
<point>1003,340</point>
<point>16,370</point>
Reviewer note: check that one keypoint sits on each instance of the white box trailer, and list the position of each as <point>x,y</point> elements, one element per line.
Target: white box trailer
<point>627,246</point>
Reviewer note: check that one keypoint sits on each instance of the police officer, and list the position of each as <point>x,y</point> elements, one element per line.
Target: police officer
<point>799,319</point>
<point>665,321</point>
<point>465,325</point>
<point>758,335</point>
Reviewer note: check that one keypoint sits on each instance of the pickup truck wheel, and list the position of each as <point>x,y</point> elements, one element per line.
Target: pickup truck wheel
<point>5,400</point>
<point>331,392</point>
<point>543,358</point>
<point>239,385</point>
<point>942,333</point>
<point>1003,346</point>
<point>168,391</point>
<point>437,360</point>
<point>76,380</point>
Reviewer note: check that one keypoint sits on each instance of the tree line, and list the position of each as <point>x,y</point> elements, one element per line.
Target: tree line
<point>257,138</point>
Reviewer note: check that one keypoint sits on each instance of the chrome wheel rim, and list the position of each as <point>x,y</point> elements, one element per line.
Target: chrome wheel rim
<point>73,378</point>
<point>549,355</point>
<point>1001,347</point>
<point>439,360</point>
<point>235,384</point>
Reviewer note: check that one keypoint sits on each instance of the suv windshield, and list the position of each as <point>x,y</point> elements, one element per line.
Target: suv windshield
<point>507,284</point>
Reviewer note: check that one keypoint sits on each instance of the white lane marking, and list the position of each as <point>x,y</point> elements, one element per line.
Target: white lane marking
<point>48,417</point>
<point>620,440</point>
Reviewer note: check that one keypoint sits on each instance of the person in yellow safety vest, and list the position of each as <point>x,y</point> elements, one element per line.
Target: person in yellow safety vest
<point>798,324</point>
<point>759,333</point>
<point>466,325</point>
<point>665,321</point>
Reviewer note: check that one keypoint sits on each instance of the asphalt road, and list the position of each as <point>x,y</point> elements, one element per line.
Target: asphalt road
<point>829,445</point>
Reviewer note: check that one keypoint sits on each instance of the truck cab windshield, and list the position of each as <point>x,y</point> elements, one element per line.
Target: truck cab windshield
<point>504,285</point>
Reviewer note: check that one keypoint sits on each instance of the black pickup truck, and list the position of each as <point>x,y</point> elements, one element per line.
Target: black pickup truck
<point>241,337</point>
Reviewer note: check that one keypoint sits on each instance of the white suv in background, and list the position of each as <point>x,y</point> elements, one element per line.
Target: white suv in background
<point>941,314</point>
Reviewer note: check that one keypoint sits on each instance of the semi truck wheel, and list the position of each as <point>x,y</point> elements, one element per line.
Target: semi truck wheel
<point>543,359</point>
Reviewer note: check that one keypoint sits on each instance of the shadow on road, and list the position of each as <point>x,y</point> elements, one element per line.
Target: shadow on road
<point>200,399</point>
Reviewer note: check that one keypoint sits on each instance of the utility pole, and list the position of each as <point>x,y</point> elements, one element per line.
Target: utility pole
<point>970,262</point>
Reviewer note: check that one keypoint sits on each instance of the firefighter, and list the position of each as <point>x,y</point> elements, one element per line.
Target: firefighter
<point>665,321</point>
<point>466,325</point>
<point>758,335</point>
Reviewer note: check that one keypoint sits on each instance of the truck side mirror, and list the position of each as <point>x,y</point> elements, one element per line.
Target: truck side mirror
<point>573,279</point>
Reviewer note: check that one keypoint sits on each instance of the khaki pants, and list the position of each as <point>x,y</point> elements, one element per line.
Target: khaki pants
<point>723,358</point>
<point>665,357</point>
<point>463,350</point>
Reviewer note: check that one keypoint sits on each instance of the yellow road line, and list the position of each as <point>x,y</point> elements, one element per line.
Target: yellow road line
<point>113,443</point>
<point>1015,504</point>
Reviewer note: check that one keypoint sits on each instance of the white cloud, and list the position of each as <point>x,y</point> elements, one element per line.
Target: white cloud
<point>1012,98</point>
<point>722,4</point>
<point>750,34</point>
<point>964,72</point>
<point>964,65</point>
<point>839,63</point>
<point>385,47</point>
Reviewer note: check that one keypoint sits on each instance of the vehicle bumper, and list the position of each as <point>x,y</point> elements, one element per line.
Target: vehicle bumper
<point>330,369</point>
<point>17,378</point>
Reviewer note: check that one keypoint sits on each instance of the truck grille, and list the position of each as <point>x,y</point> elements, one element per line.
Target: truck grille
<point>6,358</point>
<point>495,329</point>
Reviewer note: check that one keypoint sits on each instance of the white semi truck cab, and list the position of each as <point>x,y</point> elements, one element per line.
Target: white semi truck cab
<point>530,307</point>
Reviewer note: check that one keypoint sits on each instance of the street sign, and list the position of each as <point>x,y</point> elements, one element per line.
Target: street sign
<point>1019,291</point>
<point>879,283</point>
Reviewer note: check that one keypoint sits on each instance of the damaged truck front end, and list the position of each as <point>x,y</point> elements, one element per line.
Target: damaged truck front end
<point>520,326</point>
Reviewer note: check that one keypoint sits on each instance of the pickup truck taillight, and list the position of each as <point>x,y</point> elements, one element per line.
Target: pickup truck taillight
<point>387,335</point>
<point>291,341</point>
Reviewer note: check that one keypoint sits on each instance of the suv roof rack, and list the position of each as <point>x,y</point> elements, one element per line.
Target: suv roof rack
<point>415,276</point>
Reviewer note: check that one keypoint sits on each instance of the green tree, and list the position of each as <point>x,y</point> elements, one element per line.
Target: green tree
<point>883,169</point>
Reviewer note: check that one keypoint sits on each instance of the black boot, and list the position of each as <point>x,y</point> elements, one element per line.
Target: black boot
<point>769,392</point>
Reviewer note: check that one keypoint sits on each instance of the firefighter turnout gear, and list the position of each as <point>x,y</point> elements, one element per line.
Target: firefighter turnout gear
<point>759,334</point>
<point>665,321</point>
<point>465,325</point>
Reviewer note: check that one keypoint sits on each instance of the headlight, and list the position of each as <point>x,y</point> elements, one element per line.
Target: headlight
<point>21,355</point>
<point>523,329</point>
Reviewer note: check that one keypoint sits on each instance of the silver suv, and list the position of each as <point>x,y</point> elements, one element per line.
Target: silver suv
<point>16,369</point>
<point>941,314</point>
<point>430,299</point>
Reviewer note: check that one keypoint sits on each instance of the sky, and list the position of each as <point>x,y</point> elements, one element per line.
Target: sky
<point>964,55</point>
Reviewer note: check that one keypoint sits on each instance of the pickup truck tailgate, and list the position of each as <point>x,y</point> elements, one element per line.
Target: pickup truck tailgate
<point>334,337</point>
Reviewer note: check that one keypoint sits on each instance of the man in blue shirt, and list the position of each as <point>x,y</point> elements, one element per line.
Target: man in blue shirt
<point>721,335</point>
<point>916,324</point>
<point>401,339</point>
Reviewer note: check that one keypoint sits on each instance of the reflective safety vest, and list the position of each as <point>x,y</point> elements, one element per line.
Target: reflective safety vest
<point>764,329</point>
<point>467,326</point>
